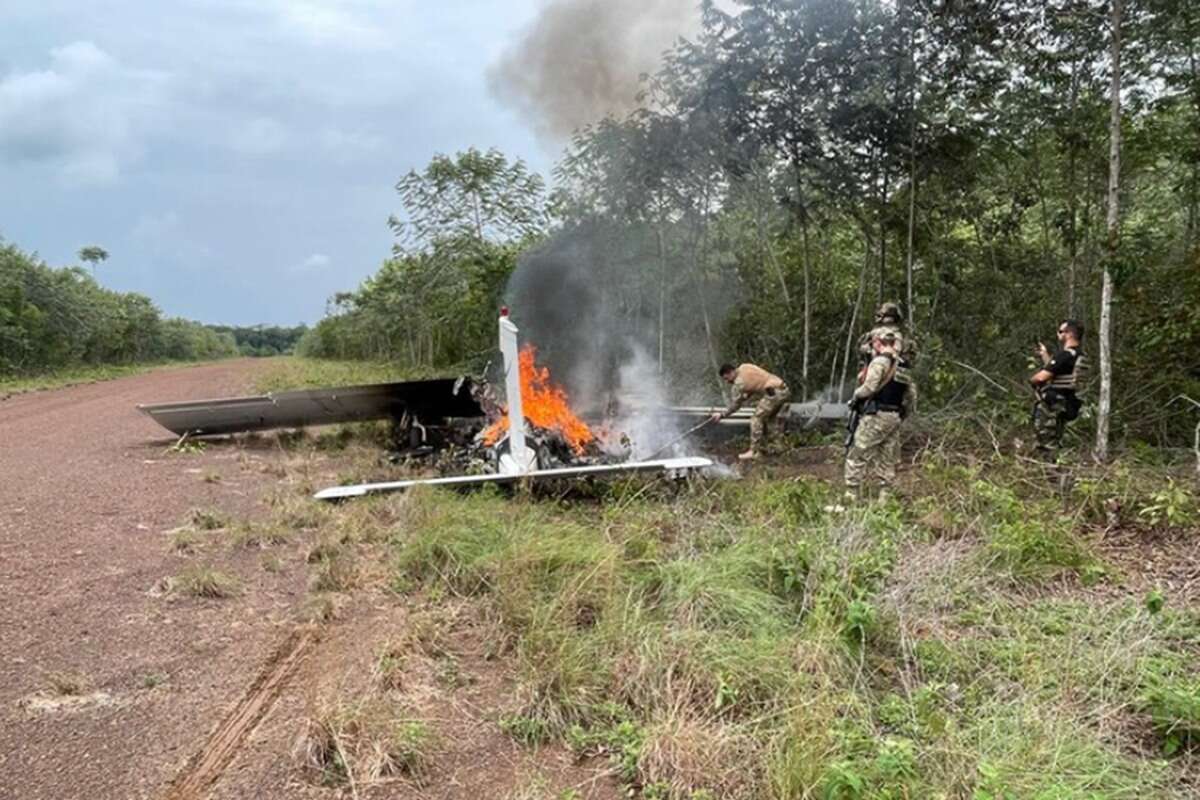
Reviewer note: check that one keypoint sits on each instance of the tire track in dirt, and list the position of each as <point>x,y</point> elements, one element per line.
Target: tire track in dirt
<point>205,768</point>
<point>87,496</point>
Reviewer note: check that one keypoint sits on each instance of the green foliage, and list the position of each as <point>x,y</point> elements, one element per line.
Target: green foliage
<point>823,654</point>
<point>1173,506</point>
<point>1171,696</point>
<point>434,304</point>
<point>263,340</point>
<point>61,319</point>
<point>284,374</point>
<point>526,730</point>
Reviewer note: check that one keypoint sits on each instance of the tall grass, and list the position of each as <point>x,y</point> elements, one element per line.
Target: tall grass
<point>742,640</point>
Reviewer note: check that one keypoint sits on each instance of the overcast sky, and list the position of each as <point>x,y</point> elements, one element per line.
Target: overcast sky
<point>237,157</point>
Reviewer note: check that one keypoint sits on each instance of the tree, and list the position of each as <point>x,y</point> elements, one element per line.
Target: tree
<point>1114,222</point>
<point>93,255</point>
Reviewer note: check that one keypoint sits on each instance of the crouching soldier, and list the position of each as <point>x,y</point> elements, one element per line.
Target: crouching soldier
<point>754,383</point>
<point>883,399</point>
<point>1056,385</point>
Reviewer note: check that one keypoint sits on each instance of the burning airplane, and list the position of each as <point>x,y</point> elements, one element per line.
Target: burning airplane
<point>534,399</point>
<point>552,441</point>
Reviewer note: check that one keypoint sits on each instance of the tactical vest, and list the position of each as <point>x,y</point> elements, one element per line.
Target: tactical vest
<point>892,393</point>
<point>1073,380</point>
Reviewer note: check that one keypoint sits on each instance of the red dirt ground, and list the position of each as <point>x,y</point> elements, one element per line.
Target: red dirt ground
<point>89,494</point>
<point>87,490</point>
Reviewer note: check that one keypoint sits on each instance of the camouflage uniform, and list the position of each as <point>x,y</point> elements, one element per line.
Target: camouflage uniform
<point>887,321</point>
<point>1058,401</point>
<point>887,396</point>
<point>752,382</point>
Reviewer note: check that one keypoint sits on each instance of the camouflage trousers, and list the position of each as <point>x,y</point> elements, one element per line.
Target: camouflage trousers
<point>765,411</point>
<point>1050,417</point>
<point>876,450</point>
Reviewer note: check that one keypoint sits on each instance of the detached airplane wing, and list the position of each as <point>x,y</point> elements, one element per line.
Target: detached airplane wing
<point>670,466</point>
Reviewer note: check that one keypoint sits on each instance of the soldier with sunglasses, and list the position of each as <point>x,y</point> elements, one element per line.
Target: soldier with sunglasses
<point>1057,384</point>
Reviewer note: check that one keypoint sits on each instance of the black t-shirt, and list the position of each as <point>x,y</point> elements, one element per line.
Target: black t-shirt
<point>1062,362</point>
<point>1062,365</point>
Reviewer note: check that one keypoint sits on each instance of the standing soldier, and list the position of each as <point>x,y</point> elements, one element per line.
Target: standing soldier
<point>885,397</point>
<point>753,382</point>
<point>1056,385</point>
<point>888,319</point>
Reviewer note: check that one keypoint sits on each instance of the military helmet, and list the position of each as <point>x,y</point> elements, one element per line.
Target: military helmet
<point>889,312</point>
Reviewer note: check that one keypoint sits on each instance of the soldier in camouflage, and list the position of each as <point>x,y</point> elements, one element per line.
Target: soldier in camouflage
<point>884,398</point>
<point>888,319</point>
<point>752,382</point>
<point>1057,385</point>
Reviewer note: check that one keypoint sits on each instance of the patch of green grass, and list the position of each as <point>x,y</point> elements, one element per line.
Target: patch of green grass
<point>204,581</point>
<point>335,573</point>
<point>258,534</point>
<point>362,742</point>
<point>206,519</point>
<point>526,730</point>
<point>1171,696</point>
<point>739,641</point>
<point>295,372</point>
<point>186,540</point>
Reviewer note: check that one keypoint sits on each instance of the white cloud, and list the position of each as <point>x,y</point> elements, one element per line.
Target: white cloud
<point>314,263</point>
<point>86,114</point>
<point>347,145</point>
<point>260,136</point>
<point>163,236</point>
<point>331,22</point>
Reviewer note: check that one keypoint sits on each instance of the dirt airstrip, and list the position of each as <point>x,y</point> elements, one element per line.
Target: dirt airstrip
<point>113,686</point>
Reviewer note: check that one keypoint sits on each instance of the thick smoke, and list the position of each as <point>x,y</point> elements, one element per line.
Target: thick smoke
<point>560,302</point>
<point>597,344</point>
<point>582,59</point>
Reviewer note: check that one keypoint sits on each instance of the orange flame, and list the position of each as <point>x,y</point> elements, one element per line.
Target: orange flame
<point>543,404</point>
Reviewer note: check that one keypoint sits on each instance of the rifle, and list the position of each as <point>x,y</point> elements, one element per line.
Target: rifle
<point>852,423</point>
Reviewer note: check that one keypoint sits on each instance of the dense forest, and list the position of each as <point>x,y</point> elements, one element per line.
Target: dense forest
<point>799,162</point>
<point>263,340</point>
<point>52,319</point>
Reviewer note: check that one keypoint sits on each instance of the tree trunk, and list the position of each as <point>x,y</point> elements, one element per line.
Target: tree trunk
<point>662,299</point>
<point>807,307</point>
<point>1072,245</point>
<point>912,174</point>
<point>912,219</point>
<point>883,198</point>
<point>862,285</point>
<point>1114,221</point>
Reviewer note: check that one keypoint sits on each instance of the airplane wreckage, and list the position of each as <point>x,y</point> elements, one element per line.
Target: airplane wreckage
<point>464,415</point>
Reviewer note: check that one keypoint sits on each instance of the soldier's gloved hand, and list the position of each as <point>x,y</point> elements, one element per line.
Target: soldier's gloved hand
<point>716,417</point>
<point>856,403</point>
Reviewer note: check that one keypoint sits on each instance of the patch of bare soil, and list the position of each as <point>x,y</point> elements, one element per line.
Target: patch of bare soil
<point>443,667</point>
<point>88,494</point>
<point>1146,560</point>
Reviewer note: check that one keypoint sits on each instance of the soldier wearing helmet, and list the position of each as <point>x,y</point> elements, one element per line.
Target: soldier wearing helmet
<point>888,319</point>
<point>883,399</point>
